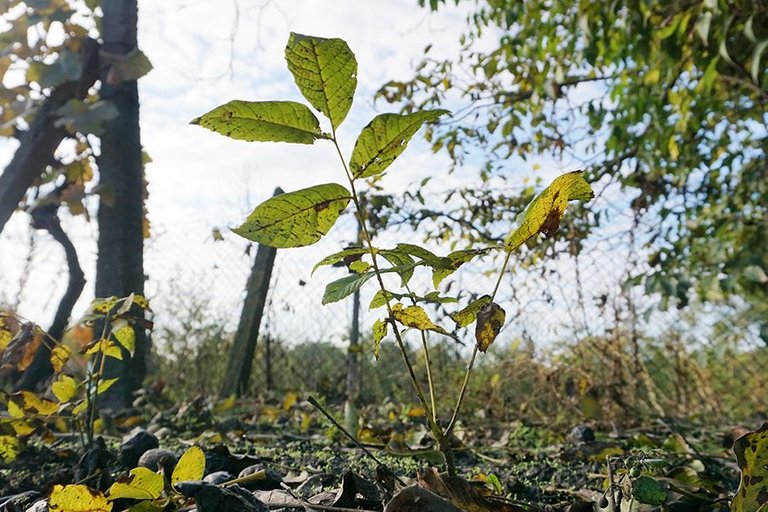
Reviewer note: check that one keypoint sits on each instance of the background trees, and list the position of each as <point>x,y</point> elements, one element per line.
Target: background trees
<point>662,100</point>
<point>75,110</point>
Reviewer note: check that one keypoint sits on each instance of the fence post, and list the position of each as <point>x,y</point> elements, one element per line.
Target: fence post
<point>353,352</point>
<point>241,354</point>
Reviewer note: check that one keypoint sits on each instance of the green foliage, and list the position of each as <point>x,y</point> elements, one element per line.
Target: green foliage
<point>325,72</point>
<point>263,121</point>
<point>296,219</point>
<point>664,99</point>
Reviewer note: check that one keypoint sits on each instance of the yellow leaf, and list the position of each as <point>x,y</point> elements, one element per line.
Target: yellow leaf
<point>32,404</point>
<point>22,427</point>
<point>59,357</point>
<point>416,317</point>
<point>82,406</point>
<point>290,400</point>
<point>77,498</point>
<point>490,320</point>
<point>107,347</point>
<point>752,455</point>
<point>225,405</point>
<point>140,484</point>
<point>9,448</point>
<point>105,385</point>
<point>126,337</point>
<point>544,213</point>
<point>674,149</point>
<point>65,388</point>
<point>379,331</point>
<point>191,466</point>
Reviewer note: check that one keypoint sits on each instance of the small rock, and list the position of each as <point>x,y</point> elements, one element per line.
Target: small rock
<point>271,480</point>
<point>163,432</point>
<point>582,434</point>
<point>156,458</point>
<point>218,477</point>
<point>134,445</point>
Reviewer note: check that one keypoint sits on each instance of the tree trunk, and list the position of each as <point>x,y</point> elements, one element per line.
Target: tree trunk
<point>120,264</point>
<point>47,218</point>
<point>240,360</point>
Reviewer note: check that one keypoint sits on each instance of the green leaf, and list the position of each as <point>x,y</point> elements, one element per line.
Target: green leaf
<point>754,65</point>
<point>140,484</point>
<point>752,456</point>
<point>325,71</point>
<point>344,287</point>
<point>544,213</point>
<point>296,219</point>
<point>452,262</point>
<point>416,317</point>
<point>263,121</point>
<point>400,261</point>
<point>466,316</point>
<point>341,255</point>
<point>649,491</point>
<point>384,138</point>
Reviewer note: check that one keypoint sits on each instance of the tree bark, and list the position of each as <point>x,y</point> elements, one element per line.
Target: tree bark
<point>120,264</point>
<point>47,218</point>
<point>38,143</point>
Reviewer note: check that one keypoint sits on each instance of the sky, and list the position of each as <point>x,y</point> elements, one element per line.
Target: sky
<point>205,54</point>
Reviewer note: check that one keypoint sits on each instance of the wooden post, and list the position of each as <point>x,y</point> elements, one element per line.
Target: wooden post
<point>241,354</point>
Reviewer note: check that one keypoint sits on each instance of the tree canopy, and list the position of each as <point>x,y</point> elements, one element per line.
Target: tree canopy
<point>665,100</point>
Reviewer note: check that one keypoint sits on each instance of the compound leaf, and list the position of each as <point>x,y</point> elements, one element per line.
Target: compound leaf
<point>296,219</point>
<point>384,139</point>
<point>325,71</point>
<point>263,121</point>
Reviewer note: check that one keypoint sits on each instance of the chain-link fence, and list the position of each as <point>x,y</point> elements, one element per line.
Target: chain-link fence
<point>575,333</point>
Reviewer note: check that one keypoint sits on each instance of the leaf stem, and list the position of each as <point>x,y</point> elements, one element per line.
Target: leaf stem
<point>434,428</point>
<point>465,383</point>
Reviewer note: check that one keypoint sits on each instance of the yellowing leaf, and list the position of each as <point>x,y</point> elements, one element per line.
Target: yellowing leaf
<point>466,316</point>
<point>9,448</point>
<point>140,484</point>
<point>379,331</point>
<point>416,317</point>
<point>384,139</point>
<point>752,455</point>
<point>226,404</point>
<point>59,357</point>
<point>126,337</point>
<point>191,466</point>
<point>33,404</point>
<point>263,121</point>
<point>544,213</point>
<point>490,320</point>
<point>105,385</point>
<point>289,401</point>
<point>64,388</point>
<point>77,498</point>
<point>325,71</point>
<point>105,346</point>
<point>296,219</point>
